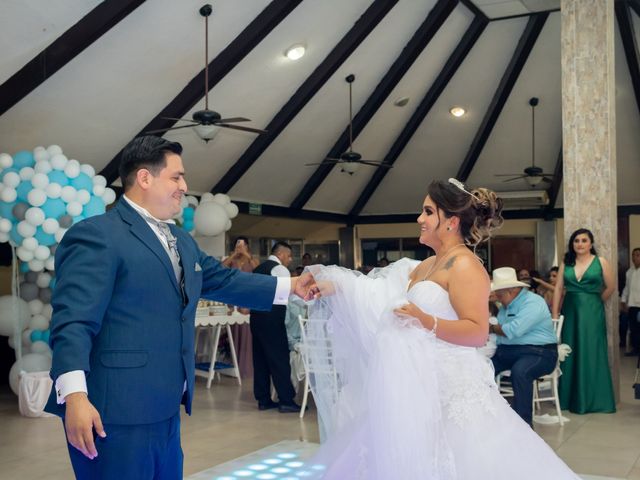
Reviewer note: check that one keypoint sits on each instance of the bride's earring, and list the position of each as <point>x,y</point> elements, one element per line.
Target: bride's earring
<point>448,229</point>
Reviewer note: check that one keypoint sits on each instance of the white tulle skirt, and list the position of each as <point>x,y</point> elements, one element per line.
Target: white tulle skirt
<point>394,402</point>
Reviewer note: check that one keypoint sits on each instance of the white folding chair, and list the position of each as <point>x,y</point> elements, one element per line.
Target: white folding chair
<point>550,379</point>
<point>307,387</point>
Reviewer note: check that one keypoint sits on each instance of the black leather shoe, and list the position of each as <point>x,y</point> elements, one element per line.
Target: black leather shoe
<point>268,406</point>
<point>288,408</point>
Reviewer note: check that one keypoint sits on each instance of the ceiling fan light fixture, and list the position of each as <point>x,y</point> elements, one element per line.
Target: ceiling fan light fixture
<point>457,111</point>
<point>206,132</point>
<point>295,52</point>
<point>349,167</point>
<point>533,180</point>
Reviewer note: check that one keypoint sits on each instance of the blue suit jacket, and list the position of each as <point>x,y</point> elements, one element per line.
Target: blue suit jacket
<point>119,314</point>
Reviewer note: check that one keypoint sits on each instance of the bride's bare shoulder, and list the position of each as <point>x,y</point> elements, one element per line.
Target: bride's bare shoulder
<point>468,263</point>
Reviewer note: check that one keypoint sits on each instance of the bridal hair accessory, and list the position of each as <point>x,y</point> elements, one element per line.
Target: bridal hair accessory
<point>460,185</point>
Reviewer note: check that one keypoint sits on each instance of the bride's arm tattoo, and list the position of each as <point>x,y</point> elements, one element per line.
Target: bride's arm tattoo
<point>449,263</point>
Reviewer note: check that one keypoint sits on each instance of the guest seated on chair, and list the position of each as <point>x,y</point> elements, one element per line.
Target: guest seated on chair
<point>527,343</point>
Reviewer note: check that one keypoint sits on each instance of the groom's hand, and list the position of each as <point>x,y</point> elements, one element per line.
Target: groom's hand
<point>304,286</point>
<point>80,419</point>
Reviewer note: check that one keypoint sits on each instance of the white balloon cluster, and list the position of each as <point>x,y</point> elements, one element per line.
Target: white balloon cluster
<point>212,215</point>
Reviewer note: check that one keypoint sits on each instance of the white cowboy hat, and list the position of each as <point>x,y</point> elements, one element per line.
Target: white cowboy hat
<point>505,277</point>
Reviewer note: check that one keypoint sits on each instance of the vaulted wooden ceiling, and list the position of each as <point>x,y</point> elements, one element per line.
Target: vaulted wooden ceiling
<point>90,75</point>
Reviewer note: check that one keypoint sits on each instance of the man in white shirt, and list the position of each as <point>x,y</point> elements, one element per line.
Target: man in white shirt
<point>270,344</point>
<point>631,301</point>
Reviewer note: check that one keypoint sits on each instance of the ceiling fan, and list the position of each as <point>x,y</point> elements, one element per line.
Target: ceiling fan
<point>350,160</point>
<point>533,175</point>
<point>206,122</point>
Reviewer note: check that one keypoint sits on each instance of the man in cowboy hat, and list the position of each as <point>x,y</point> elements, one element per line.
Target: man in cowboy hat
<point>527,343</point>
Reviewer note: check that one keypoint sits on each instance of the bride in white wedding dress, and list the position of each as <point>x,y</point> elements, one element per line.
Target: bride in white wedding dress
<point>404,394</point>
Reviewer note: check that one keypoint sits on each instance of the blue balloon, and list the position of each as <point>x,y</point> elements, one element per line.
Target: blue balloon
<point>24,158</point>
<point>15,237</point>
<point>46,334</point>
<point>24,267</point>
<point>188,213</point>
<point>6,210</point>
<point>187,225</point>
<point>82,182</point>
<point>58,176</point>
<point>52,283</point>
<point>7,170</point>
<point>54,208</point>
<point>77,219</point>
<point>23,190</point>
<point>94,207</point>
<point>36,336</point>
<point>44,238</point>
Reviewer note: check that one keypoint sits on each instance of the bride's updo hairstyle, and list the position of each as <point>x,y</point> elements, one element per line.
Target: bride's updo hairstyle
<point>479,210</point>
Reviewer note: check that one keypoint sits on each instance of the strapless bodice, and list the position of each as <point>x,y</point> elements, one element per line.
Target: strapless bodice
<point>431,298</point>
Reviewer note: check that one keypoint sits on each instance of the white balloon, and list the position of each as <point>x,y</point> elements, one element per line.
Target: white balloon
<point>40,347</point>
<point>54,150</point>
<point>25,229</point>
<point>5,225</point>
<point>72,168</point>
<point>32,362</point>
<point>41,154</point>
<point>35,216</point>
<point>87,169</point>
<point>74,209</point>
<point>43,280</point>
<point>24,254</point>
<point>11,179</point>
<point>6,160</point>
<point>231,209</point>
<point>221,198</point>
<point>58,235</point>
<point>53,190</point>
<point>68,193</point>
<point>38,322</point>
<point>8,194</point>
<point>26,337</point>
<point>58,161</point>
<point>42,253</point>
<point>35,307</point>
<point>98,190</point>
<point>99,180</point>
<point>191,200</point>
<point>8,316</point>
<point>12,343</point>
<point>83,197</point>
<point>184,203</point>
<point>37,197</point>
<point>210,219</point>
<point>227,225</point>
<point>4,237</point>
<point>47,310</point>
<point>49,263</point>
<point>206,197</point>
<point>43,166</point>
<point>109,196</point>
<point>30,244</point>
<point>40,180</point>
<point>50,226</point>
<point>36,265</point>
<point>27,173</point>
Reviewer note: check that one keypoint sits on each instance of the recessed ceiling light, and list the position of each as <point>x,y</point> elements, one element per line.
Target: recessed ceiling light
<point>401,102</point>
<point>295,52</point>
<point>457,111</point>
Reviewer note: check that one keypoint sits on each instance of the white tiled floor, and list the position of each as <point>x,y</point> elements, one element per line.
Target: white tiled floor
<point>226,425</point>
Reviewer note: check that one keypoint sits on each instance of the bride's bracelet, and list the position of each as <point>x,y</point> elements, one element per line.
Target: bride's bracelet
<point>435,325</point>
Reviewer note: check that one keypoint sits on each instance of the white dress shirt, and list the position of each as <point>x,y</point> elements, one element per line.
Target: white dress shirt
<point>75,381</point>
<point>631,292</point>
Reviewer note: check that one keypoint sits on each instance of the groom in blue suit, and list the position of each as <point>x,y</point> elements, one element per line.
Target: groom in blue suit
<point>122,330</point>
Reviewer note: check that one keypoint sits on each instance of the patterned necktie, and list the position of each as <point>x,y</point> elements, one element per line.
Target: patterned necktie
<point>173,248</point>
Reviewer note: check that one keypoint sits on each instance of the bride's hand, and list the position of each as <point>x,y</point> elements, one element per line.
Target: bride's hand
<point>408,310</point>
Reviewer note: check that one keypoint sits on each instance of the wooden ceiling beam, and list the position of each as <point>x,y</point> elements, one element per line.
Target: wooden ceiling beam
<point>446,74</point>
<point>421,38</point>
<point>347,45</point>
<point>218,68</point>
<point>627,33</point>
<point>64,49</point>
<point>511,74</point>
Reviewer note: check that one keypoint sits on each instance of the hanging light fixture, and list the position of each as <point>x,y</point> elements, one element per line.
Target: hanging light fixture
<point>295,52</point>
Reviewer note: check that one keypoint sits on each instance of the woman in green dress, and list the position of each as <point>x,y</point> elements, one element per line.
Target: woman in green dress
<point>585,384</point>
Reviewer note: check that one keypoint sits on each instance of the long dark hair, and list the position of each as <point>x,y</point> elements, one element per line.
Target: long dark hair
<point>570,256</point>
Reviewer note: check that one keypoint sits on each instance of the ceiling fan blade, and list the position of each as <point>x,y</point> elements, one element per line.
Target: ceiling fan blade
<point>514,179</point>
<point>509,175</point>
<point>376,164</point>
<point>330,161</point>
<point>548,180</point>
<point>244,129</point>
<point>179,119</point>
<point>162,130</point>
<point>233,120</point>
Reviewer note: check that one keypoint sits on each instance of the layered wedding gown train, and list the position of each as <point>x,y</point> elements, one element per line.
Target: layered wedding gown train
<point>394,402</point>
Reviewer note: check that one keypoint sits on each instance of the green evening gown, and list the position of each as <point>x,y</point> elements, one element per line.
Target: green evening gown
<point>585,383</point>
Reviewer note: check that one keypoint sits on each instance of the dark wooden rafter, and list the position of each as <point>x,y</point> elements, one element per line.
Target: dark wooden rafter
<point>635,4</point>
<point>361,29</point>
<point>220,66</point>
<point>556,183</point>
<point>511,74</point>
<point>625,24</point>
<point>448,71</point>
<point>421,38</point>
<point>475,10</point>
<point>56,55</point>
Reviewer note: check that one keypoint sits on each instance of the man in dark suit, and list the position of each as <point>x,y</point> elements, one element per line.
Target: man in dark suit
<point>122,329</point>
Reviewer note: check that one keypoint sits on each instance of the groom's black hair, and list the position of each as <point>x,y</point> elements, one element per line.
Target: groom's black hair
<point>147,152</point>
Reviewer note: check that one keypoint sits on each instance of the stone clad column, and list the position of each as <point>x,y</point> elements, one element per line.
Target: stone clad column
<point>589,137</point>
